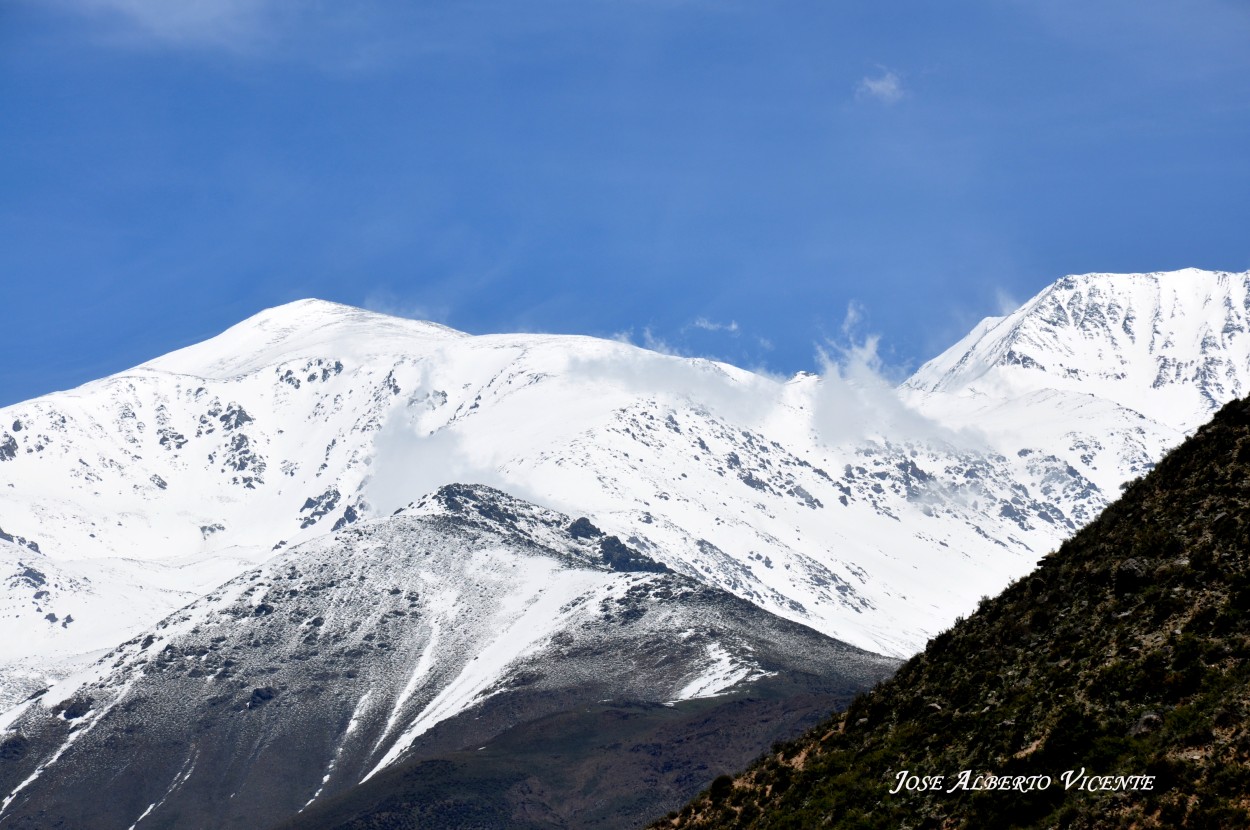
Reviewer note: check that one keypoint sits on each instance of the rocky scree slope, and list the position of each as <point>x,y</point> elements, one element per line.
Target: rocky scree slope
<point>1124,653</point>
<point>400,639</point>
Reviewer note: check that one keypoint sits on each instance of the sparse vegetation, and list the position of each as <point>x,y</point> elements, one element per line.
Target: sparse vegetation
<point>1124,653</point>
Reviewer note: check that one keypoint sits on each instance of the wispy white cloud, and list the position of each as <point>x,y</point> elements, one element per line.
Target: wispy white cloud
<point>385,302</point>
<point>1004,302</point>
<point>680,348</point>
<point>850,322</point>
<point>650,341</point>
<point>739,395</point>
<point>656,343</point>
<point>410,460</point>
<point>886,87</point>
<point>233,24</point>
<point>357,37</point>
<point>709,325</point>
<point>857,399</point>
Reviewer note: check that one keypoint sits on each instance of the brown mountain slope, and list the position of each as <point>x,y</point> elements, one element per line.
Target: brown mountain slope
<point>1123,654</point>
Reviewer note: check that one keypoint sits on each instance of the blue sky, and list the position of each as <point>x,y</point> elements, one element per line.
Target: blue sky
<point>720,178</point>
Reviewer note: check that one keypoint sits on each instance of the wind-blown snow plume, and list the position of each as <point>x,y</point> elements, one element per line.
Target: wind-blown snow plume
<point>408,463</point>
<point>854,401</point>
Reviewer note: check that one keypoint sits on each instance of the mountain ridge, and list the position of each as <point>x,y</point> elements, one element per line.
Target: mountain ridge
<point>311,451</point>
<point>1109,317</point>
<point>1122,655</point>
<point>341,413</point>
<point>397,640</point>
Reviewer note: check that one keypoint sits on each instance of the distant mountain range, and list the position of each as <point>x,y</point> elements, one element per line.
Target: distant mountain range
<point>172,533</point>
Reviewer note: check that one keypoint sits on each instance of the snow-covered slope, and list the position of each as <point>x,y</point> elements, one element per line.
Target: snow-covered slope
<point>823,499</point>
<point>1175,345</point>
<point>312,415</point>
<point>56,614</point>
<point>437,628</point>
<point>1107,370</point>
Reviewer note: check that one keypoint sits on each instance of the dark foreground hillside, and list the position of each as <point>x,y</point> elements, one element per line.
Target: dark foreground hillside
<point>1123,654</point>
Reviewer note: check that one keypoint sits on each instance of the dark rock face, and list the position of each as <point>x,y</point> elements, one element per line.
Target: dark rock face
<point>319,506</point>
<point>1123,654</point>
<point>619,557</point>
<point>13,747</point>
<point>235,416</point>
<point>583,529</point>
<point>349,515</point>
<point>607,765</point>
<point>75,707</point>
<point>26,543</point>
<point>172,439</point>
<point>208,530</point>
<point>262,696</point>
<point>33,578</point>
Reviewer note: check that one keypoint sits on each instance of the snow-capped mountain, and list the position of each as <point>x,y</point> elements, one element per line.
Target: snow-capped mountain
<point>1104,369</point>
<point>399,639</point>
<point>157,484</point>
<point>1172,345</point>
<point>834,501</point>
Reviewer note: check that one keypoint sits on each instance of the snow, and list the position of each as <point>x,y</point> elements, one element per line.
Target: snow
<point>395,626</point>
<point>1171,346</point>
<point>304,328</point>
<point>530,613</point>
<point>873,515</point>
<point>721,673</point>
<point>179,779</point>
<point>419,675</point>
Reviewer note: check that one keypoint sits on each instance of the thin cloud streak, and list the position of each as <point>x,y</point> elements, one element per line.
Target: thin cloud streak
<point>1005,303</point>
<point>886,87</point>
<point>708,325</point>
<point>235,25</point>
<point>384,302</point>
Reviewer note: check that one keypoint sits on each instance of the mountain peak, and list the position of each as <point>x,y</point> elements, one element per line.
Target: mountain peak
<point>302,328</point>
<point>1172,344</point>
